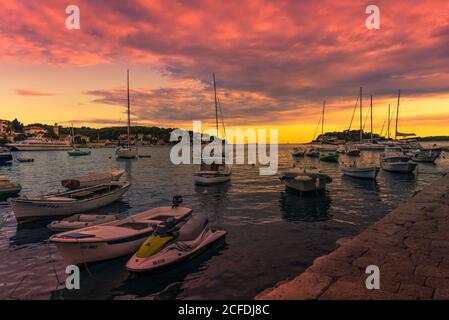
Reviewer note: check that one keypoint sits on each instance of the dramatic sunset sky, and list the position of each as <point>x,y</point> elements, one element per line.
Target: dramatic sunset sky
<point>275,61</point>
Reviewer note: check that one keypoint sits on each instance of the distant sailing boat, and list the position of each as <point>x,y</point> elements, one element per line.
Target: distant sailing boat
<point>216,172</point>
<point>127,152</point>
<point>75,152</point>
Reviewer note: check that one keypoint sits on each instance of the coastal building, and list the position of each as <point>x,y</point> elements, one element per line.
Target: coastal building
<point>35,130</point>
<point>4,127</point>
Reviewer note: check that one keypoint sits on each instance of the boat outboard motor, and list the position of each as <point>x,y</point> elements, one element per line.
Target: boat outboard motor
<point>176,201</point>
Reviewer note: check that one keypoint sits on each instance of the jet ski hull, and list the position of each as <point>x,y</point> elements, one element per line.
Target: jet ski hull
<point>175,253</point>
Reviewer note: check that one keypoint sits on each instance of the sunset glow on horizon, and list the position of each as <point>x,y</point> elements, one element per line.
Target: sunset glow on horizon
<point>275,62</point>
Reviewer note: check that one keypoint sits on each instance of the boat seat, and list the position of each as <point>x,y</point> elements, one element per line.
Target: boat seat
<point>83,194</point>
<point>192,228</point>
<point>58,199</point>
<point>134,225</point>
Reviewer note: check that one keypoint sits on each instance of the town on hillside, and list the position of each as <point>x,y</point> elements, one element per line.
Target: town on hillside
<point>15,131</point>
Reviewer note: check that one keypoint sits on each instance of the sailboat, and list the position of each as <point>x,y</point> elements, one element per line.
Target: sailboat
<point>75,152</point>
<point>127,152</point>
<point>333,156</point>
<point>371,145</point>
<point>214,173</point>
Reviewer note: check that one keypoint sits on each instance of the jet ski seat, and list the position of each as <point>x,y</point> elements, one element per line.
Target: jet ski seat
<point>192,228</point>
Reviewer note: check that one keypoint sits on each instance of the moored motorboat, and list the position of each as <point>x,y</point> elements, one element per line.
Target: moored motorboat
<point>8,188</point>
<point>5,156</point>
<point>114,239</point>
<point>298,152</point>
<point>170,245</point>
<point>352,150</point>
<point>24,160</point>
<point>361,172</point>
<point>428,156</point>
<point>79,221</point>
<point>213,174</point>
<point>305,180</point>
<point>312,152</point>
<point>93,179</point>
<point>29,208</point>
<point>394,160</point>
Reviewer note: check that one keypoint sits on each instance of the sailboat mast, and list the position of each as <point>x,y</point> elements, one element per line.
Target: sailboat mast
<point>397,114</point>
<point>129,112</point>
<point>389,121</point>
<point>361,120</point>
<point>371,108</point>
<point>216,105</point>
<point>73,136</point>
<point>322,122</point>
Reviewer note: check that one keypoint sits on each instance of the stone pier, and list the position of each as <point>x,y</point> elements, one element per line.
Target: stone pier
<point>410,245</point>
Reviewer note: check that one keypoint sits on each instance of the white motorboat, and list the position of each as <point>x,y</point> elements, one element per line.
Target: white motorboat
<point>213,174</point>
<point>8,188</point>
<point>79,221</point>
<point>426,155</point>
<point>114,239</point>
<point>305,180</point>
<point>128,152</point>
<point>312,152</point>
<point>40,144</point>
<point>298,152</point>
<point>361,172</point>
<point>29,208</point>
<point>171,245</point>
<point>93,179</point>
<point>395,160</point>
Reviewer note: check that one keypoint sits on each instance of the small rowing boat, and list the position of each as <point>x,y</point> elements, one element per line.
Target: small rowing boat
<point>93,179</point>
<point>29,208</point>
<point>361,172</point>
<point>114,239</point>
<point>332,157</point>
<point>8,188</point>
<point>305,180</point>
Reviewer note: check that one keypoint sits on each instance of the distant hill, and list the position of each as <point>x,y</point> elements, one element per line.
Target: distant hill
<point>433,138</point>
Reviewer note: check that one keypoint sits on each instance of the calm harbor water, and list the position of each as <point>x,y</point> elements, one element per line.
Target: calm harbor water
<point>272,234</point>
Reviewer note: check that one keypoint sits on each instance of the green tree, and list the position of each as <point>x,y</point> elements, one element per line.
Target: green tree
<point>17,126</point>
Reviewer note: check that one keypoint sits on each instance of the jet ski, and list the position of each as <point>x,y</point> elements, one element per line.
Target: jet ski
<point>172,244</point>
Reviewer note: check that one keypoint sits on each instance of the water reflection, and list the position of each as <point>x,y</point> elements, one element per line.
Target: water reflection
<point>306,207</point>
<point>112,278</point>
<point>365,184</point>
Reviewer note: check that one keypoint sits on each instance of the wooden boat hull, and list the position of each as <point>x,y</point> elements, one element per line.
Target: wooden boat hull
<point>209,179</point>
<point>84,252</point>
<point>399,167</point>
<point>92,179</point>
<point>78,153</point>
<point>9,189</point>
<point>361,173</point>
<point>330,158</point>
<point>28,210</point>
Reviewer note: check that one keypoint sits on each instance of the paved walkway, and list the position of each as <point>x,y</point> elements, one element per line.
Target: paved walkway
<point>410,245</point>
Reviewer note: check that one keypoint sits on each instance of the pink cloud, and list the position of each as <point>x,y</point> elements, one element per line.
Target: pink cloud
<point>33,93</point>
<point>272,58</point>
